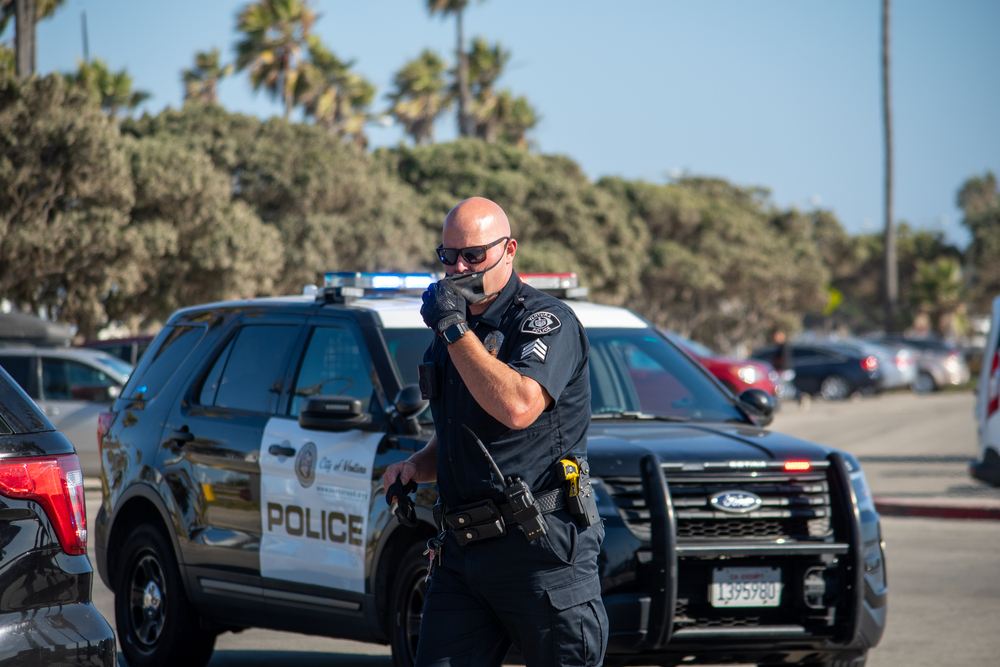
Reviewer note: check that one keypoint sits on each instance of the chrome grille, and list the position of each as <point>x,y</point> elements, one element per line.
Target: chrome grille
<point>795,505</point>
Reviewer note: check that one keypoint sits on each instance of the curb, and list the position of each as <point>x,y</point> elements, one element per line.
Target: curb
<point>940,508</point>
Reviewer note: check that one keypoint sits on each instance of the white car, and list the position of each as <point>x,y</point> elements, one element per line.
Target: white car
<point>987,466</point>
<point>71,386</point>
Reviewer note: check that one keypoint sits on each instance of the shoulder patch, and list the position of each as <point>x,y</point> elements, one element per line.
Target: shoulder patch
<point>539,323</point>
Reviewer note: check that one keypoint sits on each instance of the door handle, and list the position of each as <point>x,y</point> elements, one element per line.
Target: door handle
<point>181,436</point>
<point>281,450</point>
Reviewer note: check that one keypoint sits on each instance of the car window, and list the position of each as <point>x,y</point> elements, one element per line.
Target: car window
<point>116,365</point>
<point>252,368</point>
<point>19,368</point>
<point>69,380</point>
<point>334,364</point>
<point>168,353</point>
<point>406,347</point>
<point>210,385</point>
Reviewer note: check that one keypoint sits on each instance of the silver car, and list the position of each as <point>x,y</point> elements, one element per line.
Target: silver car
<point>938,364</point>
<point>72,386</point>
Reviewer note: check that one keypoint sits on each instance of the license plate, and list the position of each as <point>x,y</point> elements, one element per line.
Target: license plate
<point>746,587</point>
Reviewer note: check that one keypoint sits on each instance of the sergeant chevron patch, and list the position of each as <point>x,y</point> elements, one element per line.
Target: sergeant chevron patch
<point>535,348</point>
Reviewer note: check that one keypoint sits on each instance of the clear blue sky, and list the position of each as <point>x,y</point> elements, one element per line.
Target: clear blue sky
<point>784,95</point>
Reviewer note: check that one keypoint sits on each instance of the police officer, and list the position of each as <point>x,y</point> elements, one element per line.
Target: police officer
<point>510,365</point>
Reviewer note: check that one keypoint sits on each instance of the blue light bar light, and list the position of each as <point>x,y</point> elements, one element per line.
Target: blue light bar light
<point>380,281</point>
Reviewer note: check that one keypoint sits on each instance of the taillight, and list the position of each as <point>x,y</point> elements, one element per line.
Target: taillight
<point>994,387</point>
<point>104,422</point>
<point>869,364</point>
<point>55,483</point>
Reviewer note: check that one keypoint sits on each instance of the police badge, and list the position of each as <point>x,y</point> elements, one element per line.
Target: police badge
<point>493,342</point>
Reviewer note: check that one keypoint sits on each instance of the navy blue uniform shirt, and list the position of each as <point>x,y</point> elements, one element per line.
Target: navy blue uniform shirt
<point>539,337</point>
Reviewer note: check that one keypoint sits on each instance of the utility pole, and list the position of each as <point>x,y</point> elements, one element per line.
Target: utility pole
<point>891,301</point>
<point>86,42</point>
<point>24,38</point>
<point>465,126</point>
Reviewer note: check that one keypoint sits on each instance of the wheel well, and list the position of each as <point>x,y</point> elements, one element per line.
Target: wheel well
<point>137,511</point>
<point>388,566</point>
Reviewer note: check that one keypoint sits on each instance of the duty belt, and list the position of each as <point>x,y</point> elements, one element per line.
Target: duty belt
<point>486,519</point>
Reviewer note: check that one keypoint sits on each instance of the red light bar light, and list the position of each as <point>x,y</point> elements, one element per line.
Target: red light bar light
<point>797,465</point>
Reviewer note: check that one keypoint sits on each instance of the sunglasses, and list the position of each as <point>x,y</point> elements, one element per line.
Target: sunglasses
<point>472,255</point>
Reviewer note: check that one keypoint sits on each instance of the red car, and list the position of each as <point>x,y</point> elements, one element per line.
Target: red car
<point>737,374</point>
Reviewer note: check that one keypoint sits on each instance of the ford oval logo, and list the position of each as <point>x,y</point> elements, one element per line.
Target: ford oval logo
<point>736,501</point>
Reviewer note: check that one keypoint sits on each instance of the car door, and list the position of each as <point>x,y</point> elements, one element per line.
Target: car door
<point>72,394</point>
<point>211,449</point>
<point>316,486</point>
<point>812,366</point>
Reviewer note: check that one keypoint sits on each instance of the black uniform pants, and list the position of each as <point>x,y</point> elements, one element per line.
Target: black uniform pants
<point>544,596</point>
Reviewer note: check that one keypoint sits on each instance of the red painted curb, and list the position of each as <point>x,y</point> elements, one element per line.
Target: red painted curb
<point>937,511</point>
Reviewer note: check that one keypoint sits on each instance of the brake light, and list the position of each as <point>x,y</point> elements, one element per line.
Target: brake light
<point>797,465</point>
<point>55,483</point>
<point>869,363</point>
<point>104,422</point>
<point>994,387</point>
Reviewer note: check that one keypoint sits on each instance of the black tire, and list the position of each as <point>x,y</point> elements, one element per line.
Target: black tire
<point>406,606</point>
<point>835,388</point>
<point>157,626</point>
<point>924,384</point>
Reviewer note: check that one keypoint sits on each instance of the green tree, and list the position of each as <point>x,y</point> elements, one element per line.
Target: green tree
<point>979,200</point>
<point>939,290</point>
<point>420,96</point>
<point>112,90</point>
<point>275,32</point>
<point>201,82</point>
<point>334,207</point>
<point>194,243</point>
<point>514,116</point>
<point>497,116</point>
<point>64,242</point>
<point>710,270</point>
<point>336,97</point>
<point>466,124</point>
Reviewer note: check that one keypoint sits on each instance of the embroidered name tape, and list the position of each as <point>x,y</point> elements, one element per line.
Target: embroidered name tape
<point>541,323</point>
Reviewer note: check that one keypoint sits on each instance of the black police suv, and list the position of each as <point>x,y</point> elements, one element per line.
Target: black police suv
<point>46,615</point>
<point>242,466</point>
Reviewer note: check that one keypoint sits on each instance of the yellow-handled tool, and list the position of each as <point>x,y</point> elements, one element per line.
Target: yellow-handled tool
<point>571,471</point>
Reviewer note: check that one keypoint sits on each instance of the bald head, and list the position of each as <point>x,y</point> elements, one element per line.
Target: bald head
<point>479,222</point>
<point>479,216</point>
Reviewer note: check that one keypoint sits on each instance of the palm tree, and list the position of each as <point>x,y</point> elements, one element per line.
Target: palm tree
<point>485,67</point>
<point>891,266</point>
<point>420,96</point>
<point>334,96</point>
<point>201,83</point>
<point>275,32</point>
<point>456,7</point>
<point>112,89</point>
<point>514,116</point>
<point>26,13</point>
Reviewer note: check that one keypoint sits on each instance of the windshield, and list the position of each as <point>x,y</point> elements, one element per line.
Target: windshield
<point>634,374</point>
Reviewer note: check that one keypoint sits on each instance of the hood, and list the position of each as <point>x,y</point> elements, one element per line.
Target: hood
<point>616,449</point>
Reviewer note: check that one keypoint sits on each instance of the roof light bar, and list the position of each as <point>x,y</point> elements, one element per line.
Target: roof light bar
<point>379,281</point>
<point>550,280</point>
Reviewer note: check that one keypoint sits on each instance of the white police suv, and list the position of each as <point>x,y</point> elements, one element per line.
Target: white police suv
<point>241,471</point>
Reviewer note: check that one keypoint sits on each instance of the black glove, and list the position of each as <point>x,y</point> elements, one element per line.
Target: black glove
<point>442,307</point>
<point>405,510</point>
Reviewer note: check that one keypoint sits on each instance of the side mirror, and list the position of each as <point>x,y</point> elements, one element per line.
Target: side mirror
<point>334,413</point>
<point>409,401</point>
<point>759,404</point>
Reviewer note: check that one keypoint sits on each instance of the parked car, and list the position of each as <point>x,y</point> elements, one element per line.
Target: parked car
<point>832,370</point>
<point>72,387</point>
<point>127,349</point>
<point>897,364</point>
<point>242,467</point>
<point>46,615</point>
<point>987,466</point>
<point>938,363</point>
<point>737,374</point>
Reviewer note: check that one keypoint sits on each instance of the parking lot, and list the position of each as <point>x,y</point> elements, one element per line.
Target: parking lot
<point>944,592</point>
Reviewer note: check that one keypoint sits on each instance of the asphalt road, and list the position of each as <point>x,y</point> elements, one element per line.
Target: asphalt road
<point>944,590</point>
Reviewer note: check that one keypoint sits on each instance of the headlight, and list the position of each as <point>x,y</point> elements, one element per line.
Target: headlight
<point>748,374</point>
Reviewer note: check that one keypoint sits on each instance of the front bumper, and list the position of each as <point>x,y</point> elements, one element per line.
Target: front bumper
<point>671,619</point>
